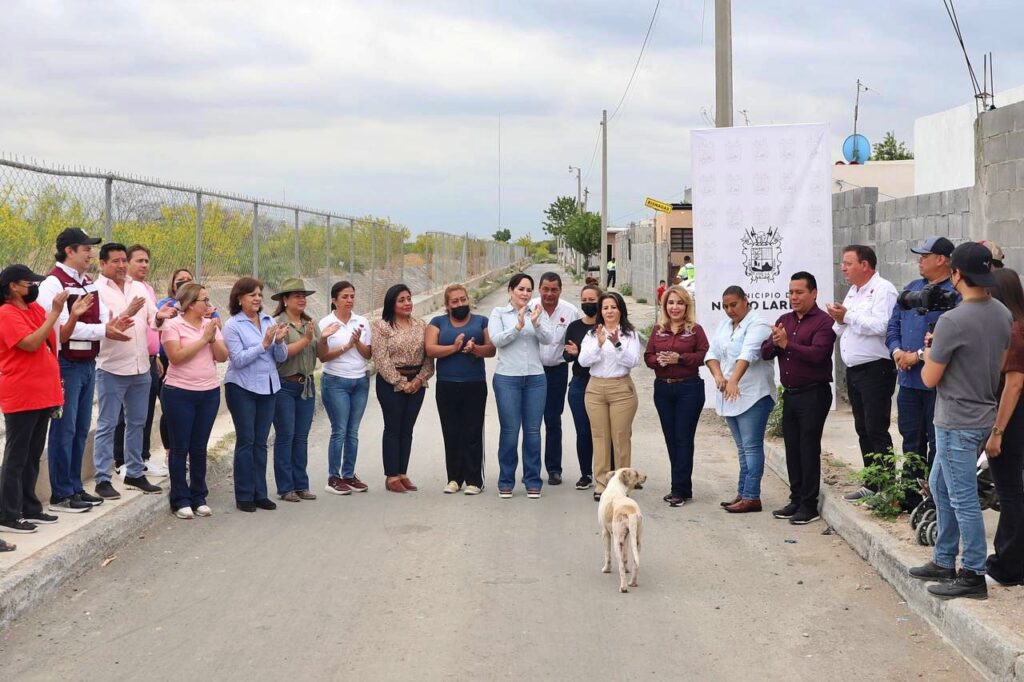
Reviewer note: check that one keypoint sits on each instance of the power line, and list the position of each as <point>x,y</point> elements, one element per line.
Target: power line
<point>636,66</point>
<point>593,156</point>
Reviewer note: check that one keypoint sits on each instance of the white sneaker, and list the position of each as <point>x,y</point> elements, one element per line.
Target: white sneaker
<point>154,469</point>
<point>451,488</point>
<point>472,490</point>
<point>185,513</point>
<point>204,510</point>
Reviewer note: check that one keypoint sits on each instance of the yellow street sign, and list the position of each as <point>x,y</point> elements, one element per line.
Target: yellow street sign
<point>658,205</point>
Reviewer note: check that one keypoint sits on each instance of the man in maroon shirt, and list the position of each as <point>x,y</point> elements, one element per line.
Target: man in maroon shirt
<point>803,342</point>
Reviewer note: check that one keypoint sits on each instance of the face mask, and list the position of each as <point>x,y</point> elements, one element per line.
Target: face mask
<point>32,295</point>
<point>460,312</point>
<point>589,309</point>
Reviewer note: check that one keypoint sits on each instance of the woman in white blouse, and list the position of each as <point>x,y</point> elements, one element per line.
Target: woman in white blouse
<point>611,351</point>
<point>746,391</point>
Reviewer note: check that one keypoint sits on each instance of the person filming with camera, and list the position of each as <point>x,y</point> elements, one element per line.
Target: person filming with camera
<point>916,311</point>
<point>962,361</point>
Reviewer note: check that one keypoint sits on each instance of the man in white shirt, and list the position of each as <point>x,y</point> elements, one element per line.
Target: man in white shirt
<point>860,323</point>
<point>556,371</point>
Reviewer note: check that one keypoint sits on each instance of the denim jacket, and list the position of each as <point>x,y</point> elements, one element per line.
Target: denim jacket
<point>906,331</point>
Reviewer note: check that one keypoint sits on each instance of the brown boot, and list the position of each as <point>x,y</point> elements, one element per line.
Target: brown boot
<point>744,506</point>
<point>731,502</point>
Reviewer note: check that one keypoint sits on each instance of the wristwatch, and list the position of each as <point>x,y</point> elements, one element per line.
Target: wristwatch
<point>996,431</point>
<point>920,354</point>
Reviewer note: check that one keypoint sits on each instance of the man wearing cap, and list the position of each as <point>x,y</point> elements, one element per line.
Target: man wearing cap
<point>79,345</point>
<point>996,251</point>
<point>962,361</point>
<point>915,402</point>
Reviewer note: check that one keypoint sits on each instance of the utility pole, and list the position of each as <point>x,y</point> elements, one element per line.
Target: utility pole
<point>586,196</point>
<point>723,63</point>
<point>579,195</point>
<point>604,197</point>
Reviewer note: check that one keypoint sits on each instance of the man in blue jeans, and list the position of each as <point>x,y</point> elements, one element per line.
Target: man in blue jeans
<point>963,363</point>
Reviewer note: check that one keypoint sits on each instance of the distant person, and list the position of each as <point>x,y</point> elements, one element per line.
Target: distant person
<point>611,273</point>
<point>997,253</point>
<point>688,271</point>
<point>661,290</point>
<point>574,336</point>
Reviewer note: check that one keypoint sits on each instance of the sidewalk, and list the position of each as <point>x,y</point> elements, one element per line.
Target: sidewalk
<point>989,634</point>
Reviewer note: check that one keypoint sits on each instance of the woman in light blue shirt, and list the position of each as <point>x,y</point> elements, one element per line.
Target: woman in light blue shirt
<point>519,384</point>
<point>255,346</point>
<point>746,391</point>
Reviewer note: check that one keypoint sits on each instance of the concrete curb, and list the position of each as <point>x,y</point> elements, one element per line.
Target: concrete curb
<point>996,652</point>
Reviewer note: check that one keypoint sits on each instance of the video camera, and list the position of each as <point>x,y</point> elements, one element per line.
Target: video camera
<point>932,298</point>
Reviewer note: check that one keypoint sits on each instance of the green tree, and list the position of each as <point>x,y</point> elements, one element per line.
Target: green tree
<point>525,241</point>
<point>583,233</point>
<point>558,215</point>
<point>504,235</point>
<point>890,150</point>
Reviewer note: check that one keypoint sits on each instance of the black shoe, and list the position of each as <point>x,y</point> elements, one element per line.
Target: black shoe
<point>858,494</point>
<point>69,505</point>
<point>967,584</point>
<point>265,504</point>
<point>675,500</point>
<point>803,517</point>
<point>584,482</point>
<point>107,491</point>
<point>83,496</point>
<point>17,526</point>
<point>555,478</point>
<point>40,518</point>
<point>245,506</point>
<point>787,512</point>
<point>142,484</point>
<point>931,571</point>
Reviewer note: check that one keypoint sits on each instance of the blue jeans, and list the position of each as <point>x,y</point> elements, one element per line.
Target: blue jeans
<point>915,412</point>
<point>345,401</point>
<point>252,414</point>
<point>117,392</point>
<point>557,379</point>
<point>584,439</point>
<point>748,432</point>
<point>954,487</point>
<point>190,417</point>
<point>679,405</point>
<point>69,433</point>
<point>293,416</point>
<point>520,406</point>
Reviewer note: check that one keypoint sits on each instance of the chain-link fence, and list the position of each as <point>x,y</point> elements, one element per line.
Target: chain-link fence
<point>221,237</point>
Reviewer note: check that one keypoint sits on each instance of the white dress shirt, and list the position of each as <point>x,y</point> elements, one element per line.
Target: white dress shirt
<point>729,346</point>
<point>868,309</point>
<point>518,349</point>
<point>565,313</point>
<point>607,361</point>
<point>126,358</point>
<point>51,286</point>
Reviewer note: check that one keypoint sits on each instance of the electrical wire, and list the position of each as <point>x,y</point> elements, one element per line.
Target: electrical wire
<point>593,156</point>
<point>636,67</point>
<point>951,11</point>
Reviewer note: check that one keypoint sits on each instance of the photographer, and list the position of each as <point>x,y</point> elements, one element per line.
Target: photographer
<point>963,362</point>
<point>916,311</point>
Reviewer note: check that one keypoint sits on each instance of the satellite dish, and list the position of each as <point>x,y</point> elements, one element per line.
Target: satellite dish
<point>856,149</point>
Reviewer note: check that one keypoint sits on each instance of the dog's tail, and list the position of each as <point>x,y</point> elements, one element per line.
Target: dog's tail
<point>634,521</point>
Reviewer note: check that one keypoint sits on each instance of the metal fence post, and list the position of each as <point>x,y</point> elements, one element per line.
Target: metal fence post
<point>401,255</point>
<point>352,249</point>
<point>465,255</point>
<point>256,240</point>
<point>327,254</point>
<point>199,237</point>
<point>108,205</point>
<point>373,262</point>
<point>297,268</point>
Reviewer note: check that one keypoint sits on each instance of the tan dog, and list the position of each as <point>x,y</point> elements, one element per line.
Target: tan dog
<point>620,518</point>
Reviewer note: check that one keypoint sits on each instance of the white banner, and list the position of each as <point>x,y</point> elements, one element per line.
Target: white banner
<point>762,210</point>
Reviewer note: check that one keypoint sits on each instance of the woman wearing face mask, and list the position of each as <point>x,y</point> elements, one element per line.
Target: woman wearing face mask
<point>675,352</point>
<point>179,277</point>
<point>574,336</point>
<point>520,388</point>
<point>611,351</point>
<point>746,391</point>
<point>459,342</point>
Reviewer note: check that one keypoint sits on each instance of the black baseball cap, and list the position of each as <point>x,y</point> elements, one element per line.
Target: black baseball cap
<point>940,246</point>
<point>18,273</point>
<point>75,236</point>
<point>974,261</point>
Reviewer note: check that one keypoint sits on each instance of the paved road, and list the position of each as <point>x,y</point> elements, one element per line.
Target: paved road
<point>436,586</point>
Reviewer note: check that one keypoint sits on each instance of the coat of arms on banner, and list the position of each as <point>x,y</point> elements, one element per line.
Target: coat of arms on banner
<point>762,254</point>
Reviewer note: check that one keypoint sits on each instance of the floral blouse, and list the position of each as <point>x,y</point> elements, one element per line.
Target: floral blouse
<point>395,347</point>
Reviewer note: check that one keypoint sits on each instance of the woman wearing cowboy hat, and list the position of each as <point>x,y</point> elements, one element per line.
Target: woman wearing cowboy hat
<point>294,403</point>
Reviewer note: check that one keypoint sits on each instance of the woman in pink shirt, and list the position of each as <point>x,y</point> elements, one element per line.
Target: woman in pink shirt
<point>191,396</point>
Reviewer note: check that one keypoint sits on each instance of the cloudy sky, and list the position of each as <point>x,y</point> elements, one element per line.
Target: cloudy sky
<point>392,107</point>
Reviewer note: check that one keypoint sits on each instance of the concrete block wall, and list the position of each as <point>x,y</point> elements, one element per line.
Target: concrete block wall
<point>640,261</point>
<point>998,192</point>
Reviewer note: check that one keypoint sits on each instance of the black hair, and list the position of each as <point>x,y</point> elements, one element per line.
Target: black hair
<point>812,283</point>
<point>551,277</point>
<point>661,281</point>
<point>735,290</point>
<point>624,322</point>
<point>863,253</point>
<point>517,278</point>
<point>111,247</point>
<point>390,299</point>
<point>338,288</point>
<point>1009,292</point>
<point>280,308</point>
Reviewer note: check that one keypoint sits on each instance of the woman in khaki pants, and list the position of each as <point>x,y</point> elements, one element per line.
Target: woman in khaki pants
<point>611,351</point>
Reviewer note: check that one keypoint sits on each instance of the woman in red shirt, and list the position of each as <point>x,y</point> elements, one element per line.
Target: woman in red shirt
<point>30,390</point>
<point>675,352</point>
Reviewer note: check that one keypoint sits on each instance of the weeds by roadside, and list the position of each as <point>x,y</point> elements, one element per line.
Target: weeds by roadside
<point>886,476</point>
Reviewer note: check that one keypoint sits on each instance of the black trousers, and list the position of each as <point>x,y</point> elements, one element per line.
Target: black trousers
<point>154,391</point>
<point>461,407</point>
<point>803,419</point>
<point>26,435</point>
<point>1006,563</point>
<point>400,413</point>
<point>870,387</point>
